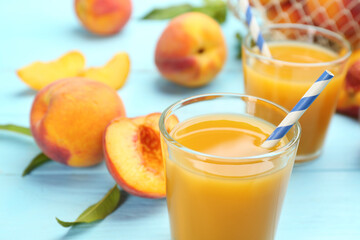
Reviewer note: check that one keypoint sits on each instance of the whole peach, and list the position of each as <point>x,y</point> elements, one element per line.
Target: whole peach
<point>68,119</point>
<point>349,100</point>
<point>191,50</point>
<point>103,17</point>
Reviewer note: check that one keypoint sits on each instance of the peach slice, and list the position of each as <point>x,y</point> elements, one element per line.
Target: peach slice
<point>39,74</point>
<point>133,155</point>
<point>114,73</point>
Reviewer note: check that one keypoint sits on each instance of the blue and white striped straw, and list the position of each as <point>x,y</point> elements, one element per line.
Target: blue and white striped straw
<point>254,28</point>
<point>299,109</point>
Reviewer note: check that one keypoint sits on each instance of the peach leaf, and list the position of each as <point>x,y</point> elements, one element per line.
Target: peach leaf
<point>17,129</point>
<point>39,160</point>
<point>100,210</point>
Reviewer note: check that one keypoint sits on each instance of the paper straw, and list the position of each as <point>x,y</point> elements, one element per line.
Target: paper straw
<point>254,28</point>
<point>298,110</point>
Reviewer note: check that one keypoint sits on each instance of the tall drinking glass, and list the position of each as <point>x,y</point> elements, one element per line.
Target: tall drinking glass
<point>300,53</point>
<point>216,189</point>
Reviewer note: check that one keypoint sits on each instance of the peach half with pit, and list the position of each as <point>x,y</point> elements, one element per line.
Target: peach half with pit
<point>133,154</point>
<point>68,119</point>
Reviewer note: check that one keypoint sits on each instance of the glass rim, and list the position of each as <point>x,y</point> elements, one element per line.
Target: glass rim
<point>222,159</point>
<point>339,37</point>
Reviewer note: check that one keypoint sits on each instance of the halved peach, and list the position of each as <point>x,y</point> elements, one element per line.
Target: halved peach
<point>39,74</point>
<point>153,120</point>
<point>133,155</point>
<point>114,73</point>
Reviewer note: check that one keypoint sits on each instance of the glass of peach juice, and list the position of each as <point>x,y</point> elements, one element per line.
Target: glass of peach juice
<point>220,183</point>
<point>300,53</point>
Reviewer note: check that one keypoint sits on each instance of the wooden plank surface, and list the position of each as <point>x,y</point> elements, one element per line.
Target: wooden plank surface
<point>323,200</point>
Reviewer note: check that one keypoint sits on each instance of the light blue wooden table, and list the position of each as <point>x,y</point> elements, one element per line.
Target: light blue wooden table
<point>323,199</point>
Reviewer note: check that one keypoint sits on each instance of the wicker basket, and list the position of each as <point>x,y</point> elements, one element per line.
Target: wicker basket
<point>341,16</point>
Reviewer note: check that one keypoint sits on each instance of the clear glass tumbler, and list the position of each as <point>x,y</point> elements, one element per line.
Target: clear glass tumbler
<point>300,54</point>
<point>212,197</point>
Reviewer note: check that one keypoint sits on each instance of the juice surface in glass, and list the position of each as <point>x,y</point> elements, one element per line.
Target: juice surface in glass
<point>210,198</point>
<point>285,84</point>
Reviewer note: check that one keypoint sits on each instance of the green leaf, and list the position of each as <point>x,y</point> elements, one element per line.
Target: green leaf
<point>239,39</point>
<point>214,8</point>
<point>15,128</point>
<point>169,12</point>
<point>35,163</point>
<point>100,210</point>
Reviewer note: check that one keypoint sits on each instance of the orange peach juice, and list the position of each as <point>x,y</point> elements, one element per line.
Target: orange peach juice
<point>217,196</point>
<point>285,82</point>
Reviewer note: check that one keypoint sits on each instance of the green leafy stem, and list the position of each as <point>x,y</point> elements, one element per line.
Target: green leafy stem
<point>214,8</point>
<point>17,129</point>
<point>36,162</point>
<point>98,211</point>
